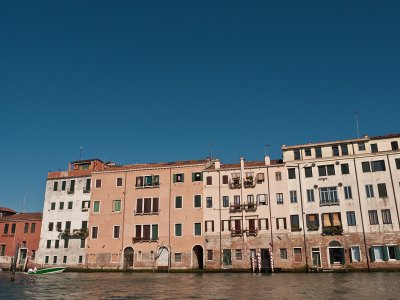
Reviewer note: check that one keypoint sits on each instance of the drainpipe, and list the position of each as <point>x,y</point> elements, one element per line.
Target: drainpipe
<point>220,220</point>
<point>362,218</point>
<point>169,218</point>
<point>241,191</point>
<point>302,216</point>
<point>270,221</point>
<point>394,192</point>
<point>123,222</point>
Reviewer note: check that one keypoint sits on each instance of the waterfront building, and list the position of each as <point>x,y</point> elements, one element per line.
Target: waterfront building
<point>346,213</point>
<point>66,213</point>
<point>246,214</point>
<point>22,231</point>
<point>146,216</point>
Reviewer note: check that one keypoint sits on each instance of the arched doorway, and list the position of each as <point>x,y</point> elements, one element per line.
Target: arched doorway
<point>162,257</point>
<point>197,257</point>
<point>128,258</point>
<point>336,254</point>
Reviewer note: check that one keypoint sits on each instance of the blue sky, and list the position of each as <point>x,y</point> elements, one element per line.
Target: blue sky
<point>150,81</point>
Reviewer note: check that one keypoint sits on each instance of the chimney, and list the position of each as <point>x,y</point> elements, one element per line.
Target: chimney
<point>217,164</point>
<point>242,165</point>
<point>267,160</point>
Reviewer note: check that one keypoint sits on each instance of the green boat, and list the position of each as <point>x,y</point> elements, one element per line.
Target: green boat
<point>46,271</point>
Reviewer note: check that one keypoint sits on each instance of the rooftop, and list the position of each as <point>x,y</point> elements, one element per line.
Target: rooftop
<point>247,164</point>
<point>156,165</point>
<point>22,217</point>
<point>5,209</point>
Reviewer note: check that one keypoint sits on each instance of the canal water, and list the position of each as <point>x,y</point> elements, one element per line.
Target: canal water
<point>201,286</point>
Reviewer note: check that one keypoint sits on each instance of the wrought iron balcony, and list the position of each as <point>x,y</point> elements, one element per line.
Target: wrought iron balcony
<point>251,231</point>
<point>236,232</point>
<point>142,239</point>
<point>142,213</point>
<point>250,207</point>
<point>234,208</point>
<point>332,230</point>
<point>75,234</point>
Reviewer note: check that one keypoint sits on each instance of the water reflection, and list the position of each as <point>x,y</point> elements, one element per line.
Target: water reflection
<point>201,286</point>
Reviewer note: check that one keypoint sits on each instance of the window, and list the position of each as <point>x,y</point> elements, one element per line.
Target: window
<point>355,254</point>
<point>210,255</point>
<point>197,176</point>
<point>197,200</point>
<point>335,151</point>
<point>64,260</point>
<point>397,160</point>
<point>209,180</point>
<point>262,199</point>
<point>67,226</point>
<point>178,202</point>
<point>292,173</point>
<point>238,254</point>
<point>250,199</point>
<point>226,224</point>
<point>55,186</point>
<point>318,152</point>
<point>361,146</point>
<point>48,244</point>
<point>61,207</point>
<point>178,177</point>
<point>82,244</point>
<point>80,260</point>
<point>295,223</point>
<point>395,145</point>
<point>86,189</point>
<point>63,185</point>
<point>26,227</point>
<point>209,226</point>
<point>116,205</point>
<point>225,201</point>
<point>327,170</point>
<point>116,231</point>
<point>85,205</point>
<point>54,259</point>
<point>96,206</point>
<point>33,227</point>
<point>393,252</point>
<point>225,179</point>
<point>13,226</point>
<point>373,217</point>
<point>308,172</point>
<point>178,257</point>
<point>378,165</point>
<point>345,169</point>
<point>345,150</point>
<point>236,199</point>
<point>283,253</point>
<point>197,229</point>
<point>310,196</point>
<point>70,203</point>
<point>377,253</point>
<point>382,190</point>
<point>95,232</point>
<point>307,151</point>
<point>347,193</point>
<point>369,190</point>
<point>281,223</point>
<point>279,198</point>
<point>33,255</point>
<point>278,176</point>
<point>46,259</point>
<point>51,226</point>
<point>351,218</point>
<point>374,148</point>
<point>98,183</point>
<point>331,220</point>
<point>209,202</point>
<point>293,196</point>
<point>386,217</point>
<point>53,206</point>
<point>296,154</point>
<point>144,206</point>
<point>6,228</point>
<point>312,221</point>
<point>328,196</point>
<point>263,224</point>
<point>366,167</point>
<point>71,186</point>
<point>66,242</point>
<point>297,256</point>
<point>178,229</point>
<point>58,226</point>
<point>119,181</point>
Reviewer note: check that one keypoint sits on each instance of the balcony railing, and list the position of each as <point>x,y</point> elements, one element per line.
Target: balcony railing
<point>147,185</point>
<point>250,207</point>
<point>313,228</point>
<point>329,202</point>
<point>251,231</point>
<point>143,213</point>
<point>332,230</point>
<point>143,239</point>
<point>236,232</point>
<point>75,234</point>
<point>233,208</point>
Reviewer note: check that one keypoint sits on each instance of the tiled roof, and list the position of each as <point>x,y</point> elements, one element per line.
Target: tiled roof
<point>85,160</point>
<point>22,217</point>
<point>247,164</point>
<point>5,209</point>
<point>386,136</point>
<point>155,165</point>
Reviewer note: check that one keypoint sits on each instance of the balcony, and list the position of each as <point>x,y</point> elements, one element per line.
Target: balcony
<point>249,181</point>
<point>296,229</point>
<point>250,207</point>
<point>235,183</point>
<point>329,202</point>
<point>143,239</point>
<point>75,234</point>
<point>234,208</point>
<point>313,228</point>
<point>332,230</point>
<point>251,231</point>
<point>145,213</point>
<point>236,232</point>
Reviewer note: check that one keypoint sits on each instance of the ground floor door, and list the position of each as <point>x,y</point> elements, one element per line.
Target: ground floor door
<point>197,257</point>
<point>163,257</point>
<point>336,256</point>
<point>316,257</point>
<point>128,258</point>
<point>265,259</point>
<point>22,256</point>
<point>227,257</point>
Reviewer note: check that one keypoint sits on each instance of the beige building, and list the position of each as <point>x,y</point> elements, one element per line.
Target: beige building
<point>147,216</point>
<point>347,202</point>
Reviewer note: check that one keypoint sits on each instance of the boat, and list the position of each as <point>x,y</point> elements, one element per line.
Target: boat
<point>53,270</point>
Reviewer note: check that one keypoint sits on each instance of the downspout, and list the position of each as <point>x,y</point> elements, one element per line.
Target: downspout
<point>394,192</point>
<point>302,217</point>
<point>362,218</point>
<point>169,218</point>
<point>270,220</point>
<point>220,220</point>
<point>123,222</point>
<point>241,193</point>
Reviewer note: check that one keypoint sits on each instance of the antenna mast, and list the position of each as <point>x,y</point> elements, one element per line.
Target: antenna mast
<point>358,132</point>
<point>23,202</point>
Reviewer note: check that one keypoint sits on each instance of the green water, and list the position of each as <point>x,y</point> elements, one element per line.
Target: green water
<point>201,286</point>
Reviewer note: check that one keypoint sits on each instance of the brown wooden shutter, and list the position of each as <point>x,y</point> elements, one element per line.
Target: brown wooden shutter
<point>138,233</point>
<point>146,232</point>
<point>139,205</point>
<point>147,205</point>
<point>155,204</point>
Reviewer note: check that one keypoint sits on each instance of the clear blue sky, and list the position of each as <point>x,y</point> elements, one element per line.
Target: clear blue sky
<point>149,81</point>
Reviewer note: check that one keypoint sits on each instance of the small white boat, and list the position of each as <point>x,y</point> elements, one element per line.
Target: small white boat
<point>52,270</point>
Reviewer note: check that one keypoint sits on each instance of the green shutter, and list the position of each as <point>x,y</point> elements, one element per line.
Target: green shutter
<point>385,253</point>
<point>372,254</point>
<point>193,177</point>
<point>397,252</point>
<point>183,177</point>
<point>174,177</point>
<point>331,256</point>
<point>96,206</point>
<point>154,232</point>
<point>343,259</point>
<point>201,176</point>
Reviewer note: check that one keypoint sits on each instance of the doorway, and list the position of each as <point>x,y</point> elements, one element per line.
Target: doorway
<point>163,257</point>
<point>336,253</point>
<point>316,257</point>
<point>265,260</point>
<point>128,258</point>
<point>197,257</point>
